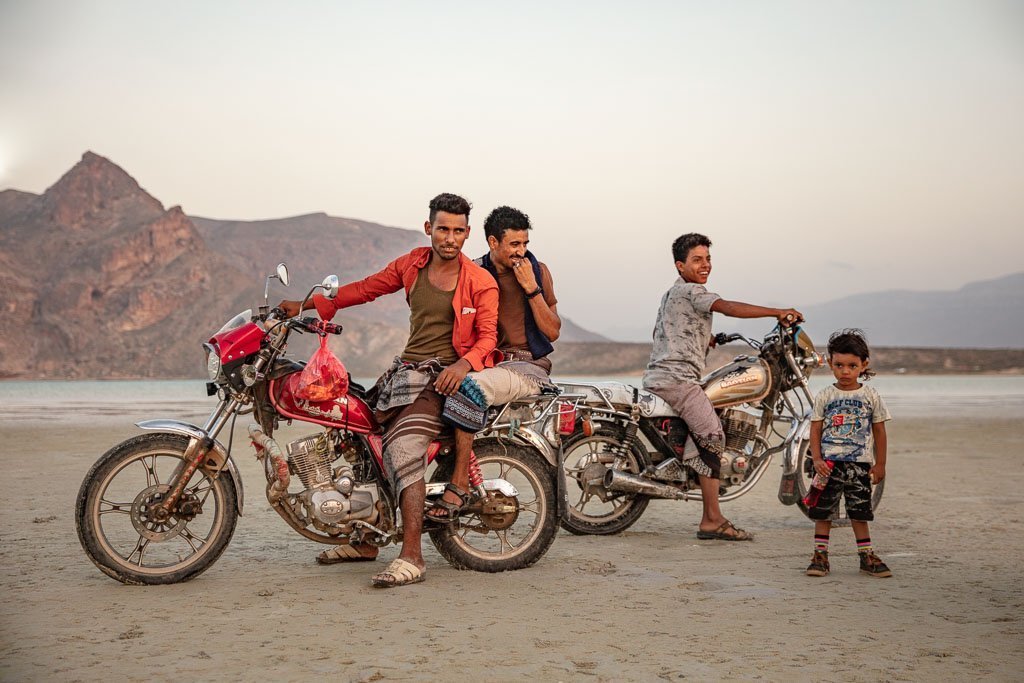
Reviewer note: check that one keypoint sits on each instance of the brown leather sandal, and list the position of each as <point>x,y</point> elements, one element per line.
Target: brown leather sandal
<point>446,511</point>
<point>722,533</point>
<point>343,553</point>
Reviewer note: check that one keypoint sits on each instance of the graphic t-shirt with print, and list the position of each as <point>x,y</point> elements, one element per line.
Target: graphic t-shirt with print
<point>847,417</point>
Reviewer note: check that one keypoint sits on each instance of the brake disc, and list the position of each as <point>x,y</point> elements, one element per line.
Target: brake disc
<point>150,528</point>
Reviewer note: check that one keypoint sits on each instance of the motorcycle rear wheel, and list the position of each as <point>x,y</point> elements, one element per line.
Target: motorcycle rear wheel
<point>470,544</point>
<point>117,532</point>
<point>805,472</point>
<point>589,515</point>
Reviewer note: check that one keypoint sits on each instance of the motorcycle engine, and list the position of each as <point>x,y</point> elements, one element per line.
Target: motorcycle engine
<point>332,496</point>
<point>740,429</point>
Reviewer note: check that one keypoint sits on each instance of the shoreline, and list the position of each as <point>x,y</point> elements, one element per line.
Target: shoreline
<point>629,359</point>
<point>633,374</point>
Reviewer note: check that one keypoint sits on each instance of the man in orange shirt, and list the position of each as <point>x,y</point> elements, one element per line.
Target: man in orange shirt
<point>453,317</point>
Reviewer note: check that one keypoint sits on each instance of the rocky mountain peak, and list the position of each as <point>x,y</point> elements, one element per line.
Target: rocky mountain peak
<point>93,186</point>
<point>97,279</point>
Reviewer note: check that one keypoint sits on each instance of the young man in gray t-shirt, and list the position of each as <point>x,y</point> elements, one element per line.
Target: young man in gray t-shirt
<point>682,335</point>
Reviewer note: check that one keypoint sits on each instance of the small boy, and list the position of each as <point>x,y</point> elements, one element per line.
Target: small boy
<point>847,424</point>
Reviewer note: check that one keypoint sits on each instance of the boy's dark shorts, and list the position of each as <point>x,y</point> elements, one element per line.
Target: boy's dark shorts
<point>850,479</point>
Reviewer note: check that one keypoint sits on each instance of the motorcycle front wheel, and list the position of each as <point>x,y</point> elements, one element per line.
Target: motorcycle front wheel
<point>805,473</point>
<point>592,509</point>
<point>503,533</point>
<point>117,530</point>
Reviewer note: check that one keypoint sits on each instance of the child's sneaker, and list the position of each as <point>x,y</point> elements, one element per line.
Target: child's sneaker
<point>819,564</point>
<point>872,565</point>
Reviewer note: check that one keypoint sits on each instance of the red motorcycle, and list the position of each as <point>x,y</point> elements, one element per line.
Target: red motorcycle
<point>161,507</point>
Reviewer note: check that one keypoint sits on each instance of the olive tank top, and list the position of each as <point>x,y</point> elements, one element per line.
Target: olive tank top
<point>431,323</point>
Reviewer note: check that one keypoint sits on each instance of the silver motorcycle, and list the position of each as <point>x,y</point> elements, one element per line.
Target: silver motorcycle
<point>623,451</point>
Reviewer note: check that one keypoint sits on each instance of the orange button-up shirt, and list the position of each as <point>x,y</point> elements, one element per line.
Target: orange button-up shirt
<point>475,332</point>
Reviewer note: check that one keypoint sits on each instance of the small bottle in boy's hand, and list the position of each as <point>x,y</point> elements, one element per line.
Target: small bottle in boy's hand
<point>818,484</point>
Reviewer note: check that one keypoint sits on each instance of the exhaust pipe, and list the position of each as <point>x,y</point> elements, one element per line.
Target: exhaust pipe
<point>614,480</point>
<point>276,466</point>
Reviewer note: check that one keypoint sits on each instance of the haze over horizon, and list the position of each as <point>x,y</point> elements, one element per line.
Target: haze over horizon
<point>827,150</point>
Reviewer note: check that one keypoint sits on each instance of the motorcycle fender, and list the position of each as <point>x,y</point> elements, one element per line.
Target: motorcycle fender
<point>799,435</point>
<point>529,437</point>
<point>436,489</point>
<point>216,459</point>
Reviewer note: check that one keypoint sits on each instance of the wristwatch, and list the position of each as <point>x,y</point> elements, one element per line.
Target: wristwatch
<point>535,292</point>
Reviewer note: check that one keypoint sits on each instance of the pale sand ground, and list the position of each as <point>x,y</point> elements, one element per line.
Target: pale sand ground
<point>652,603</point>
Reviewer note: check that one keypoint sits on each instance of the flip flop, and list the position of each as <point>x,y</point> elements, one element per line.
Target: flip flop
<point>721,533</point>
<point>398,573</point>
<point>342,553</point>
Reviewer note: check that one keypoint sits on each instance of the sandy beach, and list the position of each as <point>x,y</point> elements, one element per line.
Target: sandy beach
<point>650,604</point>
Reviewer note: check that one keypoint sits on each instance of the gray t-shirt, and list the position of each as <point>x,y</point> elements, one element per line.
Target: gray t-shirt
<point>847,416</point>
<point>681,335</point>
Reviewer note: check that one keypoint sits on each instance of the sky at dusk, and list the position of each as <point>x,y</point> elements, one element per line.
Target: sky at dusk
<point>827,148</point>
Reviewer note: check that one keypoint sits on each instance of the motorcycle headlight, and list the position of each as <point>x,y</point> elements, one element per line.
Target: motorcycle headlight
<point>212,363</point>
<point>813,360</point>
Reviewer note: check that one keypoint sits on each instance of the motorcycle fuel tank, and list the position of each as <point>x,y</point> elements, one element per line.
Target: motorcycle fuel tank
<point>347,412</point>
<point>744,380</point>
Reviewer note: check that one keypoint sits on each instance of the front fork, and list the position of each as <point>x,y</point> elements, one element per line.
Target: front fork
<point>789,492</point>
<point>193,458</point>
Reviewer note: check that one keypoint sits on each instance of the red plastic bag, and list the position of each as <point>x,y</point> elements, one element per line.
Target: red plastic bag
<point>324,378</point>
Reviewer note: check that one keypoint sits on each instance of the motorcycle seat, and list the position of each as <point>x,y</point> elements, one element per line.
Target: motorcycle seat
<point>619,395</point>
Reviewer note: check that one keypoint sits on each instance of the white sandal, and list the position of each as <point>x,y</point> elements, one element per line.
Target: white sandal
<point>398,573</point>
<point>342,553</point>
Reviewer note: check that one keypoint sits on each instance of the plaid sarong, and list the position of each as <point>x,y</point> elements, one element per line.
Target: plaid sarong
<point>403,382</point>
<point>410,411</point>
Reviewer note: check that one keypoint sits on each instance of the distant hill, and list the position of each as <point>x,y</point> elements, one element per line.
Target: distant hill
<point>624,359</point>
<point>987,314</point>
<point>315,245</point>
<point>99,280</point>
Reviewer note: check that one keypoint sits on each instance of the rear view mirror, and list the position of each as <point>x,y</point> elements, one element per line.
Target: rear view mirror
<point>282,275</point>
<point>330,285</point>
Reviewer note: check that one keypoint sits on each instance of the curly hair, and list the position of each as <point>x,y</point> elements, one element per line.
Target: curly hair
<point>854,342</point>
<point>449,203</point>
<point>503,219</point>
<point>683,244</point>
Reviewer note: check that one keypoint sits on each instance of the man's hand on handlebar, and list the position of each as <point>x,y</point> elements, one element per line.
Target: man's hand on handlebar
<point>789,316</point>
<point>290,308</point>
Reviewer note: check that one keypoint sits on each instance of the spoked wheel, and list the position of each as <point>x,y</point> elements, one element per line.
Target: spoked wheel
<point>592,508</point>
<point>503,532</point>
<point>805,473</point>
<point>124,533</point>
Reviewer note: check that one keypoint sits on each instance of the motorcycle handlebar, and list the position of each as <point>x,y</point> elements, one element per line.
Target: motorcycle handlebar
<point>722,338</point>
<point>318,326</point>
